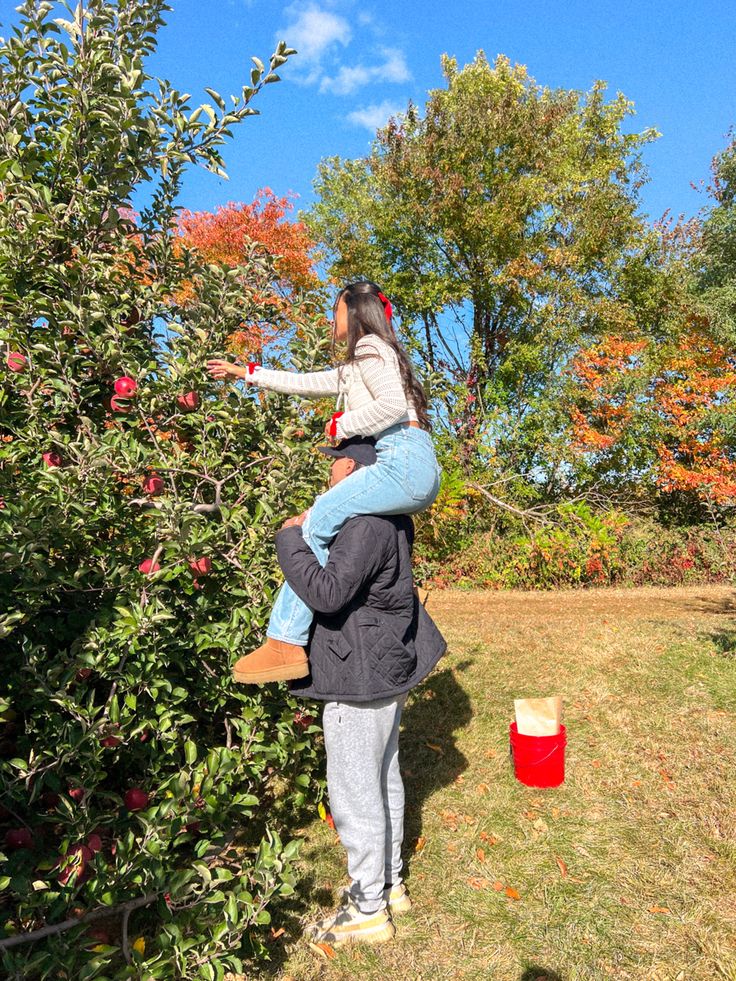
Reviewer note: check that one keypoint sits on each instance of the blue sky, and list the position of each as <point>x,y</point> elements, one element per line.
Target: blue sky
<point>359,62</point>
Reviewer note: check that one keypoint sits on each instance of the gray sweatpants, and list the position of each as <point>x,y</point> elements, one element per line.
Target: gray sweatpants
<point>366,793</point>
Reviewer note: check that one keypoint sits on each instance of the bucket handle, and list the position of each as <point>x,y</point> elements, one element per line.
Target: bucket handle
<point>544,758</point>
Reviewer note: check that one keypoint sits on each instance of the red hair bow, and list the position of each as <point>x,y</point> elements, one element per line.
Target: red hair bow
<point>388,309</point>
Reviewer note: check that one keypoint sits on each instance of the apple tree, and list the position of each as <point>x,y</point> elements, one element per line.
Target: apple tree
<point>144,797</point>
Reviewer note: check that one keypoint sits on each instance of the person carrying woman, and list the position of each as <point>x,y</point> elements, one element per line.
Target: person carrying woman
<point>380,397</point>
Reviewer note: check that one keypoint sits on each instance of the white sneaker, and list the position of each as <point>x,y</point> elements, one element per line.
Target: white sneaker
<point>398,898</point>
<point>348,925</point>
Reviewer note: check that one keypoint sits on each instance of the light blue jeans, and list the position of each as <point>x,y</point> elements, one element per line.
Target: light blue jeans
<point>405,479</point>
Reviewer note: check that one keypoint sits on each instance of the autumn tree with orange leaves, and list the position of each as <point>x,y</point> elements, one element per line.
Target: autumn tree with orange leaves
<point>659,409</point>
<point>236,232</point>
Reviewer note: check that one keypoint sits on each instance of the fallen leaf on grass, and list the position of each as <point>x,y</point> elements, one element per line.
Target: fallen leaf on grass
<point>435,748</point>
<point>529,815</point>
<point>449,819</point>
<point>491,754</point>
<point>480,854</point>
<point>498,886</point>
<point>563,867</point>
<point>555,812</point>
<point>512,893</point>
<point>667,777</point>
<point>596,764</point>
<point>483,788</point>
<point>452,847</point>
<point>421,842</point>
<point>275,934</point>
<point>324,950</point>
<point>488,839</point>
<point>636,783</point>
<point>539,828</point>
<point>659,909</point>
<point>476,883</point>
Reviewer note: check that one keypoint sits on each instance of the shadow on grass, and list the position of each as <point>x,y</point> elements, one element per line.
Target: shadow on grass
<point>536,972</point>
<point>430,759</point>
<point>725,605</point>
<point>725,643</point>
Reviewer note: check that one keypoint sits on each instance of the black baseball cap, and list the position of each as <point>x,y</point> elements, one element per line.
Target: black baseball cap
<point>362,449</point>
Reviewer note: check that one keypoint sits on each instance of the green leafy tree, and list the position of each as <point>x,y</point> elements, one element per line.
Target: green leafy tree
<point>137,504</point>
<point>717,280</point>
<point>503,221</point>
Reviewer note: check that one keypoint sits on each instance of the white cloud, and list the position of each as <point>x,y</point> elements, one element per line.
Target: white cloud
<point>375,116</point>
<point>349,79</point>
<point>313,32</point>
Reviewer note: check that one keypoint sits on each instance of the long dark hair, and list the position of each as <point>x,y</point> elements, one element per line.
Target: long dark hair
<point>367,315</point>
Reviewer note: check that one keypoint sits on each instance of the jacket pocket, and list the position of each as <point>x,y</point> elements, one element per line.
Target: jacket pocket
<point>385,653</point>
<point>339,646</point>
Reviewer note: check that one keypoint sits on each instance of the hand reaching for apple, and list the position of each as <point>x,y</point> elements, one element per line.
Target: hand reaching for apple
<point>225,370</point>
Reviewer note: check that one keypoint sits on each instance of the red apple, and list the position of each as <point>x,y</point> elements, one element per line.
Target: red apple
<point>188,402</point>
<point>16,361</point>
<point>126,386</point>
<point>83,674</point>
<point>200,567</point>
<point>145,735</point>
<point>131,318</point>
<point>77,794</point>
<point>153,485</point>
<point>303,720</point>
<point>148,566</point>
<point>52,459</point>
<point>135,799</point>
<point>116,405</point>
<point>19,838</point>
<point>75,865</point>
<point>110,741</point>
<point>96,936</point>
<point>94,843</point>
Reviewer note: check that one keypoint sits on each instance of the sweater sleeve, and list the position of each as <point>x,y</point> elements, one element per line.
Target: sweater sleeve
<point>312,384</point>
<point>381,376</point>
<point>356,556</point>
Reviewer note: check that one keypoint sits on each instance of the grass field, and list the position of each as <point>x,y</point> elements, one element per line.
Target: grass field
<point>626,871</point>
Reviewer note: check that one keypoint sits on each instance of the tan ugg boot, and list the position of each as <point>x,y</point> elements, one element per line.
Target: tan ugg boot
<point>274,661</point>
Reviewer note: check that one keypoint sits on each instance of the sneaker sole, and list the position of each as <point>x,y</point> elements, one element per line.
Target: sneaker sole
<point>402,905</point>
<point>287,672</point>
<point>379,935</point>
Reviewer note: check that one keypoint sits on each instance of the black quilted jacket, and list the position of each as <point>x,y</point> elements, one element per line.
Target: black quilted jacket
<point>371,638</point>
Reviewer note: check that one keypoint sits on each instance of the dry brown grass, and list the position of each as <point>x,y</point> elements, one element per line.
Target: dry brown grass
<point>626,871</point>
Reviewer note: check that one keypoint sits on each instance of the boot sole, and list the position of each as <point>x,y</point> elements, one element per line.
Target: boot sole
<point>285,672</point>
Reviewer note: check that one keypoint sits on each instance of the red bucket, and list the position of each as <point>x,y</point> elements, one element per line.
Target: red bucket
<point>539,761</point>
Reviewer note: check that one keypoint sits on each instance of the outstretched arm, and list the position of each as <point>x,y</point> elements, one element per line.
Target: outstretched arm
<point>312,384</point>
<point>356,555</point>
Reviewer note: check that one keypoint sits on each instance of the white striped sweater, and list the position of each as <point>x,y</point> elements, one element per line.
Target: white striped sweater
<point>369,391</point>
